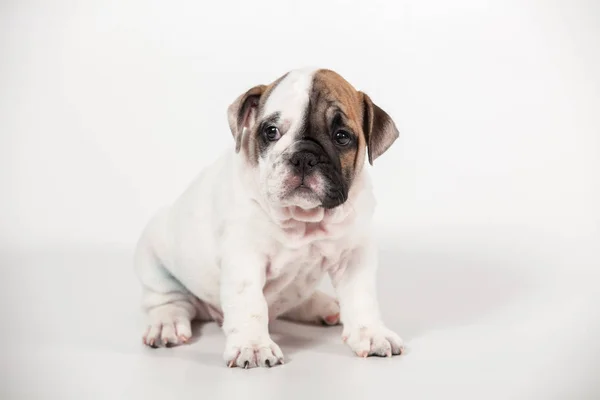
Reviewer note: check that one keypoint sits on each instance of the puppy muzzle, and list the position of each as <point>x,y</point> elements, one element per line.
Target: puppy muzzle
<point>307,155</point>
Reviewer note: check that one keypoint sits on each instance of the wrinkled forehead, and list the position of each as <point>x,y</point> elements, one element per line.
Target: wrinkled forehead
<point>289,96</point>
<point>305,93</point>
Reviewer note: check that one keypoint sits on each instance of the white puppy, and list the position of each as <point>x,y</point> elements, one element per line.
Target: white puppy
<point>252,237</point>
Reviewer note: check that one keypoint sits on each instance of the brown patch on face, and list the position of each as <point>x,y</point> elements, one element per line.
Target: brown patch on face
<point>373,128</point>
<point>333,97</point>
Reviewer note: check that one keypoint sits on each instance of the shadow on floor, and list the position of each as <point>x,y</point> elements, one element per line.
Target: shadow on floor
<point>422,290</point>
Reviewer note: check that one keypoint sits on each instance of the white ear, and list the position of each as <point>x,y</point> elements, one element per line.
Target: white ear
<point>242,113</point>
<point>379,128</point>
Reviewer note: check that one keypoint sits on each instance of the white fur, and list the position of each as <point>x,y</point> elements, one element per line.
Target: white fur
<point>290,99</point>
<point>226,251</point>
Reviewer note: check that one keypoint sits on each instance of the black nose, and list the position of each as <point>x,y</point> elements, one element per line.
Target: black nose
<point>304,161</point>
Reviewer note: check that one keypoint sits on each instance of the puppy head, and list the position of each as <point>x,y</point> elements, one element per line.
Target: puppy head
<point>305,136</point>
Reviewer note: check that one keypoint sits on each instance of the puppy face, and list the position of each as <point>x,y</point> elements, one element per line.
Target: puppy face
<point>305,136</point>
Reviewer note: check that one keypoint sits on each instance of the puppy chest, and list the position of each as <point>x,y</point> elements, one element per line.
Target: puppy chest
<point>302,261</point>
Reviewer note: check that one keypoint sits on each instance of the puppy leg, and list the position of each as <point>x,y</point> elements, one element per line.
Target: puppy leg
<point>246,314</point>
<point>169,324</point>
<point>320,308</point>
<point>364,330</point>
<point>168,304</point>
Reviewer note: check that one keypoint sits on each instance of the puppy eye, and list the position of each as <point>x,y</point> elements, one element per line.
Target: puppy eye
<point>342,138</point>
<point>272,133</point>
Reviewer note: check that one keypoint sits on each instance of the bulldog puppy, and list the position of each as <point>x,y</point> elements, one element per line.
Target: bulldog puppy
<point>254,234</point>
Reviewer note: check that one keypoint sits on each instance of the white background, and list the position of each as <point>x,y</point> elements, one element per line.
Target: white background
<point>489,203</point>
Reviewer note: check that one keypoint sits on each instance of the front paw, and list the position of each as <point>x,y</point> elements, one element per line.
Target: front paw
<point>373,341</point>
<point>247,352</point>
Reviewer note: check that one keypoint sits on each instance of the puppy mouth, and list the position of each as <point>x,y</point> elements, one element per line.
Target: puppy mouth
<point>303,189</point>
<point>301,185</point>
<point>302,194</point>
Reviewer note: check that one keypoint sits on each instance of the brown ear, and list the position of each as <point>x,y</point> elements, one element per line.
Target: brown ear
<point>242,113</point>
<point>380,131</point>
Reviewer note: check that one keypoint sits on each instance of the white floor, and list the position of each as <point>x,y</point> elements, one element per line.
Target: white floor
<point>482,318</point>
